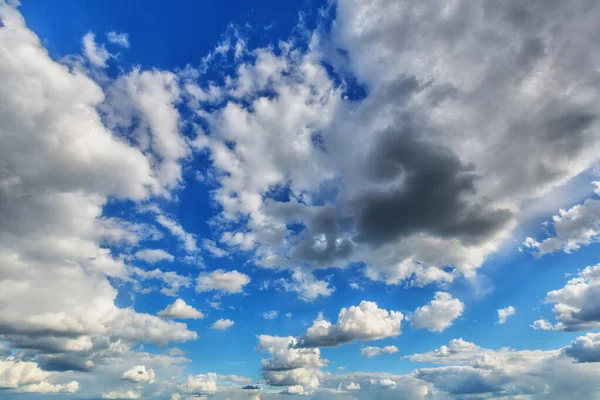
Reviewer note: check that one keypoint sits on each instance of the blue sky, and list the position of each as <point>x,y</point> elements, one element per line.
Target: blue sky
<point>326,199</point>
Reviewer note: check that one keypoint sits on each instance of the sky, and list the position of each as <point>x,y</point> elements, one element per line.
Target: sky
<point>344,199</point>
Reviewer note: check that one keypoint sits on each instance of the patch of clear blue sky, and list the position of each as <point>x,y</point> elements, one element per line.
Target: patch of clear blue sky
<point>171,35</point>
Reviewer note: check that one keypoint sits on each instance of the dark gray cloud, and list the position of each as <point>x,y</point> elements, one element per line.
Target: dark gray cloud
<point>427,189</point>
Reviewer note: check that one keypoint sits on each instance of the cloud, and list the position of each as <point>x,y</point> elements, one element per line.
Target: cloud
<point>96,55</point>
<point>222,324</point>
<point>270,314</point>
<point>438,314</point>
<point>180,310</point>
<point>172,280</point>
<point>152,256</point>
<point>225,282</point>
<point>575,307</point>
<point>61,165</point>
<point>202,384</point>
<point>306,285</point>
<point>373,351</point>
<point>129,394</point>
<point>573,228</point>
<point>139,374</point>
<point>211,247</point>
<point>504,313</point>
<point>584,349</point>
<point>289,365</point>
<point>363,322</point>
<point>121,39</point>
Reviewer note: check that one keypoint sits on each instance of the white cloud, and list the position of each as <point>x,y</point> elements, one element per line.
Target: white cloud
<point>128,394</point>
<point>504,313</point>
<point>121,39</point>
<point>222,324</point>
<point>202,384</point>
<point>97,55</point>
<point>585,348</point>
<point>289,365</point>
<point>270,314</point>
<point>575,305</point>
<point>211,247</point>
<point>180,310</point>
<point>363,322</point>
<point>438,314</point>
<point>61,166</point>
<point>172,280</point>
<point>306,285</point>
<point>573,228</point>
<point>139,374</point>
<point>152,256</point>
<point>373,351</point>
<point>224,282</point>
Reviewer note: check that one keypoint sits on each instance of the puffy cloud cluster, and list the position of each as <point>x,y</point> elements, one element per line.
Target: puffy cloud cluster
<point>289,365</point>
<point>25,376</point>
<point>373,351</point>
<point>363,322</point>
<point>139,374</point>
<point>504,313</point>
<point>575,305</point>
<point>225,282</point>
<point>438,314</point>
<point>222,324</point>
<point>363,179</point>
<point>180,310</point>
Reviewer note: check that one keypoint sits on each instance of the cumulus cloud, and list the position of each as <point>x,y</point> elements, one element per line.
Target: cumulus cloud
<point>575,305</point>
<point>222,324</point>
<point>180,310</point>
<point>438,314</point>
<point>61,164</point>
<point>225,282</point>
<point>139,374</point>
<point>306,285</point>
<point>504,313</point>
<point>270,314</point>
<point>290,365</point>
<point>573,228</point>
<point>363,322</point>
<point>202,384</point>
<point>152,256</point>
<point>96,54</point>
<point>584,349</point>
<point>121,39</point>
<point>128,394</point>
<point>373,351</point>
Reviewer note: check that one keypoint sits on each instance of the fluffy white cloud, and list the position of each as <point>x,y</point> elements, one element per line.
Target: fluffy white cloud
<point>363,322</point>
<point>504,313</point>
<point>270,314</point>
<point>202,384</point>
<point>306,285</point>
<point>180,310</point>
<point>222,324</point>
<point>289,365</point>
<point>97,55</point>
<point>60,166</point>
<point>373,351</point>
<point>573,228</point>
<point>128,394</point>
<point>139,374</point>
<point>28,377</point>
<point>121,39</point>
<point>438,314</point>
<point>585,348</point>
<point>224,282</point>
<point>172,280</point>
<point>575,305</point>
<point>152,256</point>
